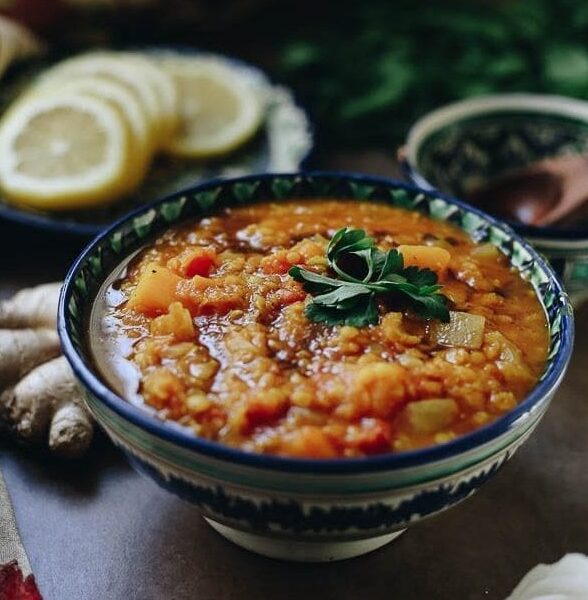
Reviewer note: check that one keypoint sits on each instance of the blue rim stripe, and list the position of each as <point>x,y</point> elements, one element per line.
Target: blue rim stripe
<point>349,465</point>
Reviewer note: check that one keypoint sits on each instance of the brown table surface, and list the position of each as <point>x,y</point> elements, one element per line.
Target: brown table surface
<point>98,531</point>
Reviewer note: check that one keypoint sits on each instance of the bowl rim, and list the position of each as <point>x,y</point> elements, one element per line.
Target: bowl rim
<point>433,121</point>
<point>379,463</point>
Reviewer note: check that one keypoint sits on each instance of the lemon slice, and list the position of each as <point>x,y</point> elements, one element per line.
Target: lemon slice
<point>122,99</point>
<point>110,66</point>
<point>63,152</point>
<point>163,85</point>
<point>125,103</point>
<point>219,108</point>
<point>117,95</point>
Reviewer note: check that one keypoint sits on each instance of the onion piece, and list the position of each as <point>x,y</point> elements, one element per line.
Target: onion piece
<point>464,329</point>
<point>431,415</point>
<point>486,252</point>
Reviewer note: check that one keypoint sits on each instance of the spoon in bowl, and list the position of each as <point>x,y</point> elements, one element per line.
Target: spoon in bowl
<point>542,194</point>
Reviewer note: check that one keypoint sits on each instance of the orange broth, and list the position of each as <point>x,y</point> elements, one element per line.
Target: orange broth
<point>217,332</point>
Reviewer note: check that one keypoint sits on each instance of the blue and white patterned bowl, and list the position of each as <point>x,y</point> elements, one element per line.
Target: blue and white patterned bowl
<point>461,146</point>
<point>311,510</point>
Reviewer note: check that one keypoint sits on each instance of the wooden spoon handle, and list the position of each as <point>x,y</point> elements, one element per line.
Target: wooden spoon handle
<point>574,195</point>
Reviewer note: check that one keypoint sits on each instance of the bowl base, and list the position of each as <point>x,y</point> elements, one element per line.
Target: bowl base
<point>293,550</point>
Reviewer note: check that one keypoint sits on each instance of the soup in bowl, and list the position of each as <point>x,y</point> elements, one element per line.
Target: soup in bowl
<point>315,360</point>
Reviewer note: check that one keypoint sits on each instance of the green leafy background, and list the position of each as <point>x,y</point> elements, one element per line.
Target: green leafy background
<point>366,69</point>
<point>377,66</point>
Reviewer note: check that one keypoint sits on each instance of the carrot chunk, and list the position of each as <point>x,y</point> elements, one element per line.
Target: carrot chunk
<point>155,291</point>
<point>425,257</point>
<point>308,441</point>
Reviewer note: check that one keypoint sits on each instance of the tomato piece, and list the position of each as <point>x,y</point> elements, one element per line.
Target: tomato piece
<point>14,586</point>
<point>265,409</point>
<point>200,261</point>
<point>374,436</point>
<point>287,295</point>
<point>276,264</point>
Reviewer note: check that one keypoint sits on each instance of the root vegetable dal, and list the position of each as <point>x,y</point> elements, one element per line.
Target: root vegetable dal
<point>322,329</point>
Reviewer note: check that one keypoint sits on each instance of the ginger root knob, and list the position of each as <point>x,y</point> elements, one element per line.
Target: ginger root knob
<point>40,402</point>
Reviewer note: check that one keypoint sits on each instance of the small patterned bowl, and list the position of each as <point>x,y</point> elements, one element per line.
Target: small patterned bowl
<point>307,510</point>
<point>463,145</point>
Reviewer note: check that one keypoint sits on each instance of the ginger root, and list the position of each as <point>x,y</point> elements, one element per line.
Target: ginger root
<point>40,402</point>
<point>23,349</point>
<point>32,307</point>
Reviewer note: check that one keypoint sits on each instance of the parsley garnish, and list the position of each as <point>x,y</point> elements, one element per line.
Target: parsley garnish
<point>362,272</point>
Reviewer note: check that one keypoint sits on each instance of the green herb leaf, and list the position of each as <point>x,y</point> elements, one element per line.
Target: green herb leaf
<point>393,263</point>
<point>314,282</point>
<point>348,240</point>
<point>431,306</point>
<point>420,277</point>
<point>363,273</point>
<point>340,295</point>
<point>359,313</point>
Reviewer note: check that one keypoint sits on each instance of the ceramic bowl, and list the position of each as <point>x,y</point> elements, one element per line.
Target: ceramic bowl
<point>460,146</point>
<point>306,510</point>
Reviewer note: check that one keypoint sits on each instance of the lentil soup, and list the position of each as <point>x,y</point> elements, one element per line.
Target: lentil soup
<point>214,334</point>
